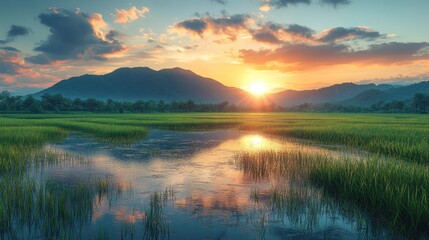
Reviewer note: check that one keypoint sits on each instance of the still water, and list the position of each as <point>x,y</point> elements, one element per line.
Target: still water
<point>186,185</point>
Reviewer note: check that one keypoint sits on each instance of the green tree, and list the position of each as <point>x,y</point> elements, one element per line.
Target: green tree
<point>32,105</point>
<point>419,103</point>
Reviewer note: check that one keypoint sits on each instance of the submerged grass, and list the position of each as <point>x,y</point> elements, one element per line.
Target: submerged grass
<point>32,207</point>
<point>46,209</point>
<point>155,224</point>
<point>404,137</point>
<point>395,192</point>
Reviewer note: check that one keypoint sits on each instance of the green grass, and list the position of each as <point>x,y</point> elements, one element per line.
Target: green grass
<point>398,185</point>
<point>19,146</point>
<point>395,192</point>
<point>155,223</point>
<point>399,136</point>
<point>30,208</point>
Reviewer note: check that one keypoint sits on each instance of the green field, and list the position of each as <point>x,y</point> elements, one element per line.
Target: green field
<point>394,186</point>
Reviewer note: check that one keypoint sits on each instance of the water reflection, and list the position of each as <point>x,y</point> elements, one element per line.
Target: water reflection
<point>187,185</point>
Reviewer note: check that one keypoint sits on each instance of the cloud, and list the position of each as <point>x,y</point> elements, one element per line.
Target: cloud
<point>399,79</point>
<point>74,36</point>
<point>10,49</point>
<point>10,63</point>
<point>98,24</point>
<point>225,25</point>
<point>394,53</point>
<point>223,2</point>
<point>287,3</point>
<point>16,75</point>
<point>271,32</point>
<point>343,34</point>
<point>335,3</point>
<point>265,7</point>
<point>195,25</point>
<point>14,32</point>
<point>130,15</point>
<point>274,33</point>
<point>302,56</point>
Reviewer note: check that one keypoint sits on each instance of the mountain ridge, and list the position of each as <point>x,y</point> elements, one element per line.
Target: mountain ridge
<point>144,83</point>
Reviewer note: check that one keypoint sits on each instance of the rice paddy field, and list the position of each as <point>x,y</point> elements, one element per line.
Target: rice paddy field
<point>214,176</point>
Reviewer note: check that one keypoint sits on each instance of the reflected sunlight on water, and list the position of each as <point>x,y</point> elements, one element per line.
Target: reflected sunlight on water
<point>257,142</point>
<point>210,191</point>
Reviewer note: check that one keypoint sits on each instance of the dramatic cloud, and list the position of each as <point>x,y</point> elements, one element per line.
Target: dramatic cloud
<point>231,26</point>
<point>285,33</point>
<point>10,63</point>
<point>98,24</point>
<point>15,75</point>
<point>394,52</point>
<point>130,15</point>
<point>73,36</point>
<point>301,56</point>
<point>226,25</point>
<point>343,34</point>
<point>277,33</point>
<point>271,32</point>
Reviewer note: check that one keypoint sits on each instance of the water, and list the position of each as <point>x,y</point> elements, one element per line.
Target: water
<point>186,185</point>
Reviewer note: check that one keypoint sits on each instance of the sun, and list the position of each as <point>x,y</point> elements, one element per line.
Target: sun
<point>257,88</point>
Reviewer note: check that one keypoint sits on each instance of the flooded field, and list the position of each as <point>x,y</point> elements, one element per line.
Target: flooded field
<point>189,185</point>
<point>214,176</point>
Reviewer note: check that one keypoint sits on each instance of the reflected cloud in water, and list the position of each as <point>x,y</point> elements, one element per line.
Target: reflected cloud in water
<point>213,197</point>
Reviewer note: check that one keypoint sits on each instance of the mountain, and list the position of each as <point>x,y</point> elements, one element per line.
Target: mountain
<point>142,83</point>
<point>368,97</point>
<point>332,94</point>
<point>398,93</point>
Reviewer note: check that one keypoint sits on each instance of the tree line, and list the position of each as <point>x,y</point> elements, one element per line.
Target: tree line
<point>418,104</point>
<point>57,103</point>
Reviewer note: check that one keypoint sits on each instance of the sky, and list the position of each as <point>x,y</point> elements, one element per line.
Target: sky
<point>279,44</point>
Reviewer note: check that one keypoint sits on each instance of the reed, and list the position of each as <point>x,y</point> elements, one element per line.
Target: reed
<point>396,192</point>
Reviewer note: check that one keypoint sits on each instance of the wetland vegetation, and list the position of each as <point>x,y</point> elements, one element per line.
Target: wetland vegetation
<point>382,194</point>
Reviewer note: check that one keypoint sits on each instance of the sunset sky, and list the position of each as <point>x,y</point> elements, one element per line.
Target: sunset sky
<point>286,44</point>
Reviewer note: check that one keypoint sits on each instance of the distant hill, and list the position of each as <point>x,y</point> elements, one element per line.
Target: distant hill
<point>372,96</point>
<point>333,94</point>
<point>142,83</point>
